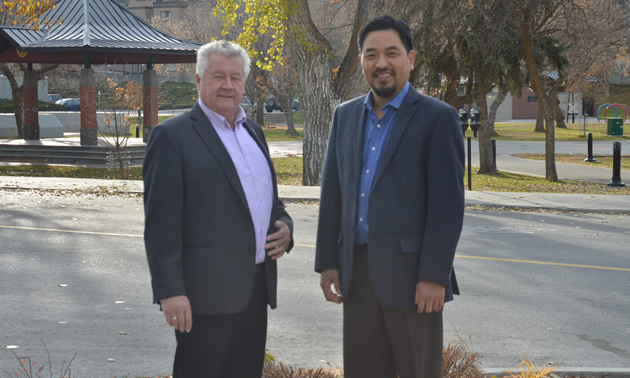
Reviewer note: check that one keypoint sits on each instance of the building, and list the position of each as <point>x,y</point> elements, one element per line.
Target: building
<point>147,9</point>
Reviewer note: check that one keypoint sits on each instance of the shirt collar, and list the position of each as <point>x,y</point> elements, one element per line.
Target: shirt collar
<point>394,102</point>
<point>218,120</point>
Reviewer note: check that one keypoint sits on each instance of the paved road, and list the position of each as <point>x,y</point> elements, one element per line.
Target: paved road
<point>550,311</point>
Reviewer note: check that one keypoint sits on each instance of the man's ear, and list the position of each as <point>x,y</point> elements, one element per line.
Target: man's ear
<point>412,59</point>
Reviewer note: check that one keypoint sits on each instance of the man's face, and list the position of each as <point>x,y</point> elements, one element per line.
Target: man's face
<point>386,63</point>
<point>222,86</point>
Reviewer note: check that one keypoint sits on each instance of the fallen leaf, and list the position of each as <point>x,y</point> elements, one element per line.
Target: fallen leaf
<point>119,302</point>
<point>111,360</point>
<point>63,285</point>
<point>11,347</point>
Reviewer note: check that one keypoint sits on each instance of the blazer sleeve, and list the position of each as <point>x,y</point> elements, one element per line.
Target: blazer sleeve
<point>445,200</point>
<point>329,222</point>
<point>163,208</point>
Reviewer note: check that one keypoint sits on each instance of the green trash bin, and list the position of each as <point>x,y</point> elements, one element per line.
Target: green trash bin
<point>615,126</point>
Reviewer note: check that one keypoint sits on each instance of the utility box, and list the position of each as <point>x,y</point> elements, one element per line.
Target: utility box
<point>615,126</point>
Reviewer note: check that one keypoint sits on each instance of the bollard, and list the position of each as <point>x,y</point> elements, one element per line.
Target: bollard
<point>469,165</point>
<point>616,179</point>
<point>137,131</point>
<point>590,158</point>
<point>494,152</point>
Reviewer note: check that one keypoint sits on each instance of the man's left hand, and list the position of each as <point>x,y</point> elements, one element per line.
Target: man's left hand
<point>278,242</point>
<point>429,296</point>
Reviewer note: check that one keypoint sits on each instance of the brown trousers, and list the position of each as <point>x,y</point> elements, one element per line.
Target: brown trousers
<point>382,342</point>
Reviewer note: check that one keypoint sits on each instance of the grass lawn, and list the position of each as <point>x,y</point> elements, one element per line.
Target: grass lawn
<point>602,161</point>
<point>289,172</point>
<point>573,132</point>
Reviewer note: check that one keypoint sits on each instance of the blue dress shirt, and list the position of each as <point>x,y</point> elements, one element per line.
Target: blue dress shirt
<point>375,139</point>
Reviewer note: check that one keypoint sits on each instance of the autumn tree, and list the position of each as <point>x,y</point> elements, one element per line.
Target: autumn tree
<point>119,103</point>
<point>24,13</point>
<point>595,44</point>
<point>542,53</point>
<point>470,40</point>
<point>321,85</point>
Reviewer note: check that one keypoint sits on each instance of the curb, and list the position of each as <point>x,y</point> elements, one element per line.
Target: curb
<point>578,372</point>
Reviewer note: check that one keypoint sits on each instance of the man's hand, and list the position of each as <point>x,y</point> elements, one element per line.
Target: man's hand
<point>177,312</point>
<point>331,277</point>
<point>278,242</point>
<point>429,296</point>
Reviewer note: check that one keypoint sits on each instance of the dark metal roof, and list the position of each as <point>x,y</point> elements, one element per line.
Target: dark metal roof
<point>97,26</point>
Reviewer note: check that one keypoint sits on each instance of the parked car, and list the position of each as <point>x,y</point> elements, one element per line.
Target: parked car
<point>247,104</point>
<point>272,104</point>
<point>70,103</point>
<point>53,98</point>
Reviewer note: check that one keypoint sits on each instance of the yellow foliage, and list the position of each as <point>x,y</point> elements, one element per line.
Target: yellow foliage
<point>530,370</point>
<point>266,17</point>
<point>28,12</point>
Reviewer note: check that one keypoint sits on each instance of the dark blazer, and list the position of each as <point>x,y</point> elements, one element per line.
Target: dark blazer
<point>416,205</point>
<point>199,234</point>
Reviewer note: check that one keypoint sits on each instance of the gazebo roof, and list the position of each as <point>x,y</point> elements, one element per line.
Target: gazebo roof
<point>106,31</point>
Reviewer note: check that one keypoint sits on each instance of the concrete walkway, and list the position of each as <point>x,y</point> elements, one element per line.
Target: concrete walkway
<point>505,162</point>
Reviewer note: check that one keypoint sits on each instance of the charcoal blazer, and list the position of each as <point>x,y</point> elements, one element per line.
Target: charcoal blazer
<point>416,204</point>
<point>199,234</point>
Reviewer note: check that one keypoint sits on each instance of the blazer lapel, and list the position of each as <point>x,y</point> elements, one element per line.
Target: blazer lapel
<point>401,122</point>
<point>358,134</point>
<point>211,139</point>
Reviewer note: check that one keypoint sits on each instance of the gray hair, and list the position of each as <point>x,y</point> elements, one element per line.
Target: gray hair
<point>225,48</point>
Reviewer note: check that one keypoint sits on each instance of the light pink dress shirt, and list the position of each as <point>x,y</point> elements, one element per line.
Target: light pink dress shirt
<point>253,171</point>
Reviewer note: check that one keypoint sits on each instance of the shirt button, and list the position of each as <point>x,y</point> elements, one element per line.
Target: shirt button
<point>367,171</point>
<point>378,125</point>
<point>362,194</point>
<point>360,219</point>
<point>373,148</point>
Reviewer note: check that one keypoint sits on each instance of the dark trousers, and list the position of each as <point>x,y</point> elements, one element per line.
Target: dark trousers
<point>382,342</point>
<point>226,346</point>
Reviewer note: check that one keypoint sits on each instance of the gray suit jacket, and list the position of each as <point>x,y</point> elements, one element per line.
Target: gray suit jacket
<point>199,234</point>
<point>416,206</point>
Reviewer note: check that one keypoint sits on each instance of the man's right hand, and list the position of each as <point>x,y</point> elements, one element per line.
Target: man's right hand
<point>177,312</point>
<point>331,277</point>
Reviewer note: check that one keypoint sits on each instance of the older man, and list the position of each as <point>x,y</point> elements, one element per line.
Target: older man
<point>214,224</point>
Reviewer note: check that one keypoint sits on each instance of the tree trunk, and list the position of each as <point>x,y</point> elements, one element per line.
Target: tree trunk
<point>260,110</point>
<point>524,12</point>
<point>288,115</point>
<point>550,147</point>
<point>540,120</point>
<point>486,159</point>
<point>17,96</point>
<point>311,51</point>
<point>555,103</point>
<point>492,113</point>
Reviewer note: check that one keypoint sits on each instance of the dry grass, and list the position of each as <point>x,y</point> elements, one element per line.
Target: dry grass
<point>602,161</point>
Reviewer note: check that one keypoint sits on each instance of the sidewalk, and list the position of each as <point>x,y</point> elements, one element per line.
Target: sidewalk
<point>563,202</point>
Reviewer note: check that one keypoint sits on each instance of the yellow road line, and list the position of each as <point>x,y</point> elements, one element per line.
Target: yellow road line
<point>312,246</point>
<point>544,263</point>
<point>521,261</point>
<point>70,231</point>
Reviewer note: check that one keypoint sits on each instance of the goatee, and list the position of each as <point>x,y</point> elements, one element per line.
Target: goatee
<point>385,92</point>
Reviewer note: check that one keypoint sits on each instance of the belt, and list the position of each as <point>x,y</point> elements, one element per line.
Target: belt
<point>361,247</point>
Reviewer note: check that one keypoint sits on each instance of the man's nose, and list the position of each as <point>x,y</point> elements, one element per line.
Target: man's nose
<point>227,83</point>
<point>381,62</point>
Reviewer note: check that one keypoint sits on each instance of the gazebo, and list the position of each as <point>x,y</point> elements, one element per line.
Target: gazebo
<point>92,32</point>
